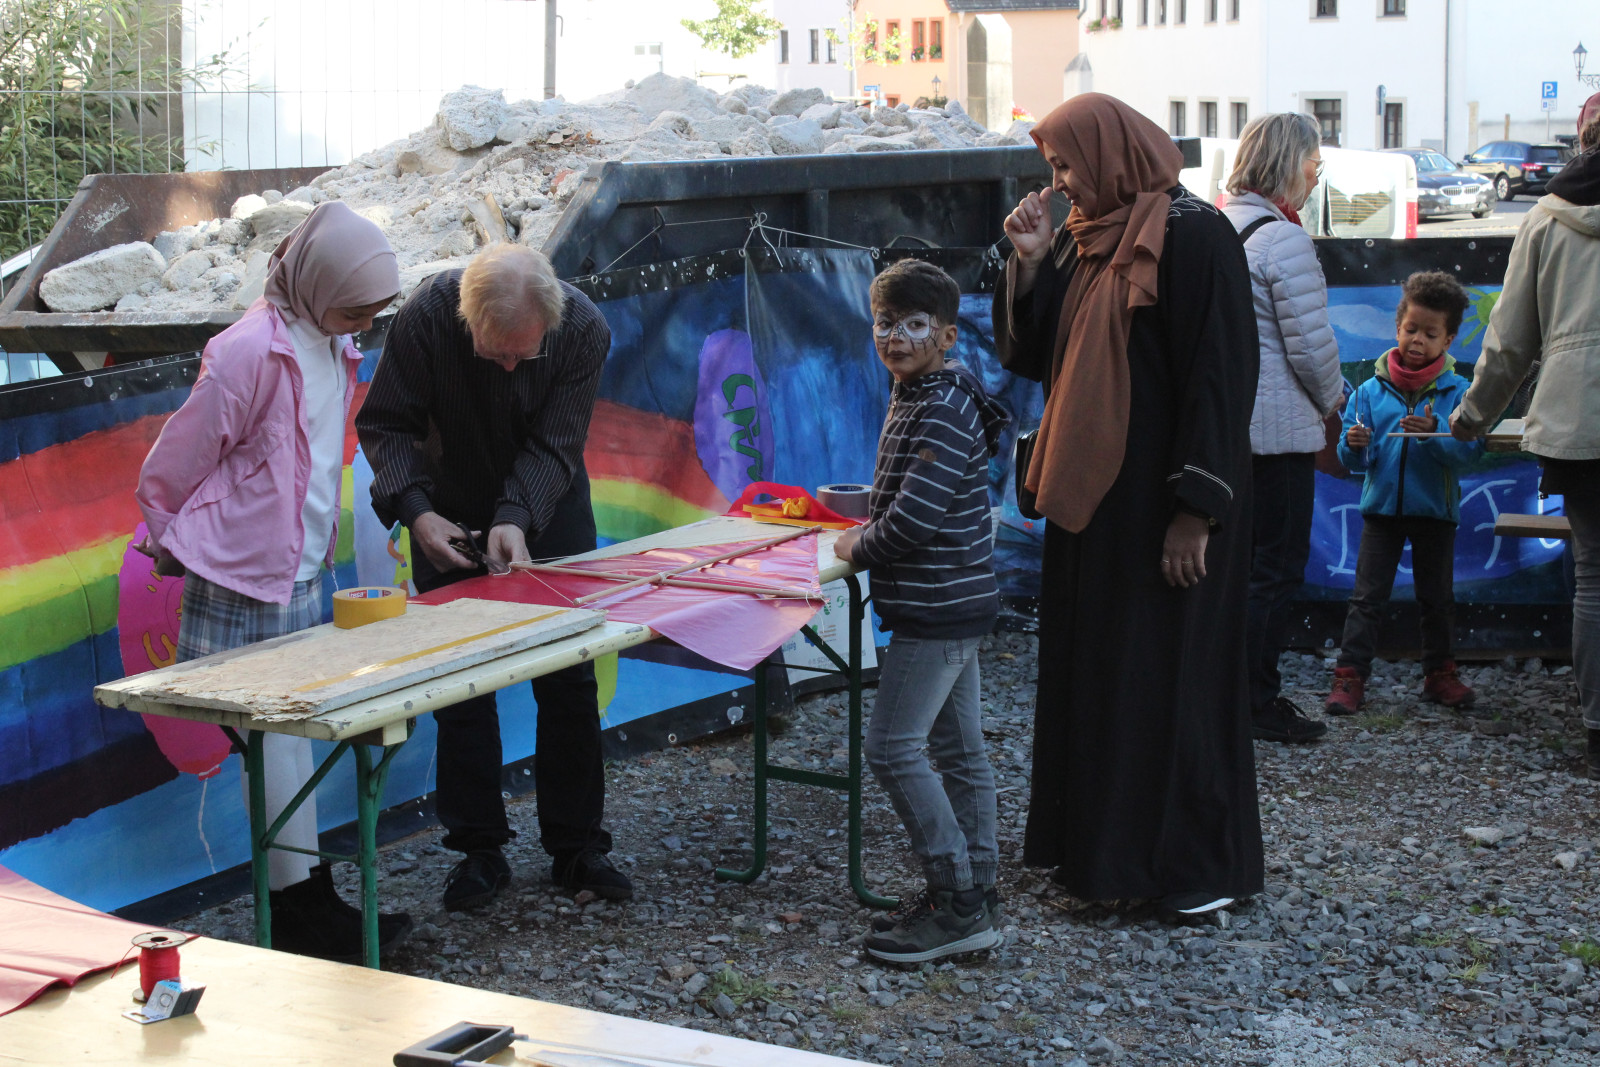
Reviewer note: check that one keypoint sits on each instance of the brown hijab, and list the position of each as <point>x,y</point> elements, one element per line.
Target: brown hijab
<point>334,259</point>
<point>1123,165</point>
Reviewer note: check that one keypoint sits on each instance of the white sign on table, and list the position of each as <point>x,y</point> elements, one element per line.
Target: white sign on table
<point>830,623</point>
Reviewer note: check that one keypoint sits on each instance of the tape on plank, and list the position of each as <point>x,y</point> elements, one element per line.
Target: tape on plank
<point>357,607</point>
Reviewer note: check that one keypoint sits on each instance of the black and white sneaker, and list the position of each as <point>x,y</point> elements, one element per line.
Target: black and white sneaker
<point>909,905</point>
<point>949,922</point>
<point>1201,903</point>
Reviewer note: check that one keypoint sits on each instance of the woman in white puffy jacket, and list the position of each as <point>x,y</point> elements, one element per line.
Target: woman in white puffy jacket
<point>1279,160</point>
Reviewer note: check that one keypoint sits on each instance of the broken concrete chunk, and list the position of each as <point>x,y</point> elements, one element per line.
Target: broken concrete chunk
<point>174,243</point>
<point>732,103</point>
<point>456,243</point>
<point>663,92</point>
<point>254,281</point>
<point>233,232</point>
<point>891,117</point>
<point>101,278</point>
<point>825,115</point>
<point>801,137</point>
<point>275,221</point>
<point>1018,131</point>
<point>471,116</point>
<point>248,205</point>
<point>187,270</point>
<point>305,195</point>
<point>795,101</point>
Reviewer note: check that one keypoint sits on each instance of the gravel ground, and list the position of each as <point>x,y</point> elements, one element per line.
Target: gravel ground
<point>1430,899</point>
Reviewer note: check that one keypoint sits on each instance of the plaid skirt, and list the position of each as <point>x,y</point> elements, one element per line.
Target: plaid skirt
<point>216,619</point>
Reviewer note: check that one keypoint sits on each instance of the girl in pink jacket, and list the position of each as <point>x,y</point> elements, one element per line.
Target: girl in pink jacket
<point>241,491</point>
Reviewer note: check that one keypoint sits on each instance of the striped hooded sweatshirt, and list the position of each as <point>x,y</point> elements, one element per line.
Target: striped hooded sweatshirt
<point>930,541</point>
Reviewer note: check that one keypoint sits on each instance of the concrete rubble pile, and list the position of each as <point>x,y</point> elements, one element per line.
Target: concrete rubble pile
<point>485,171</point>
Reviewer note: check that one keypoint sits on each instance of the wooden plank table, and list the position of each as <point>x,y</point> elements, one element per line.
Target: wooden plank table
<point>386,721</point>
<point>273,1008</point>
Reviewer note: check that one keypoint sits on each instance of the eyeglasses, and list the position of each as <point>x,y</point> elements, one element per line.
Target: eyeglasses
<point>914,328</point>
<point>1320,164</point>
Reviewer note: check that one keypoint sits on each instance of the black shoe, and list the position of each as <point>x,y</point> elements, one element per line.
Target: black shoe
<point>591,869</point>
<point>882,924</point>
<point>1594,755</point>
<point>476,880</point>
<point>310,918</point>
<point>1282,721</point>
<point>949,923</point>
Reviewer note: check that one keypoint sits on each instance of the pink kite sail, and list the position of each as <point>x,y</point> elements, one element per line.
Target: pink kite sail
<point>735,629</point>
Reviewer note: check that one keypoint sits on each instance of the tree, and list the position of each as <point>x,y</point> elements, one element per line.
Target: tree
<point>86,87</point>
<point>737,28</point>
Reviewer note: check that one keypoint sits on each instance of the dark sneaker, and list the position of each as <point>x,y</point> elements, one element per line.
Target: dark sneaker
<point>476,880</point>
<point>1594,755</point>
<point>1282,721</point>
<point>1443,685</point>
<point>1190,904</point>
<point>953,922</point>
<point>910,905</point>
<point>591,869</point>
<point>1349,692</point>
<point>310,918</point>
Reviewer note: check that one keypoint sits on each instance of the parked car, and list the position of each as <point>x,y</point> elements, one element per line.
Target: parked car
<point>1517,166</point>
<point>1445,189</point>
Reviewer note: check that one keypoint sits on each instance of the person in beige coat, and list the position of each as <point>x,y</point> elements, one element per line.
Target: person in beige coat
<point>1548,312</point>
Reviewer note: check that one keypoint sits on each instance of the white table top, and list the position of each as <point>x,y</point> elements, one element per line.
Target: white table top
<point>385,716</point>
<point>273,1008</point>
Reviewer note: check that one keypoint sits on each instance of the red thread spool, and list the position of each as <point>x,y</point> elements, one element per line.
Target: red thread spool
<point>158,959</point>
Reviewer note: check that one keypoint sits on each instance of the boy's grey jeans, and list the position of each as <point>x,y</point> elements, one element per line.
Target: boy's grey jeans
<point>928,696</point>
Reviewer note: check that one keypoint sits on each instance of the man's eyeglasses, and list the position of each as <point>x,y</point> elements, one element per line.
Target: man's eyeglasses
<point>914,328</point>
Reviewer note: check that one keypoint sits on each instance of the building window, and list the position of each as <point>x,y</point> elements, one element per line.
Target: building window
<point>1327,9</point>
<point>919,40</point>
<point>1393,8</point>
<point>936,39</point>
<point>1180,12</point>
<point>832,40</point>
<point>783,46</point>
<point>1144,12</point>
<point>1208,118</point>
<point>1233,10</point>
<point>1103,8</point>
<point>891,100</point>
<point>816,45</point>
<point>1394,125</point>
<point>1241,116</point>
<point>1211,10</point>
<point>891,43</point>
<point>1161,12</point>
<point>1330,117</point>
<point>1177,124</point>
<point>1119,10</point>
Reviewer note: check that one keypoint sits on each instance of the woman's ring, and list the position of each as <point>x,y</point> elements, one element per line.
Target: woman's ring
<point>1164,559</point>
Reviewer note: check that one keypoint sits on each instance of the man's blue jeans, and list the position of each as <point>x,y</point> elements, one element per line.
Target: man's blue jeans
<point>928,697</point>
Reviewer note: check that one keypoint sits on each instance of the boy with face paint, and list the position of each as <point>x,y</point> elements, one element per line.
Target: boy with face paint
<point>1410,491</point>
<point>929,545</point>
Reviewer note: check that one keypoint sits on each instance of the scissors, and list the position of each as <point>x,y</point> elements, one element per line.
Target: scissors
<point>467,545</point>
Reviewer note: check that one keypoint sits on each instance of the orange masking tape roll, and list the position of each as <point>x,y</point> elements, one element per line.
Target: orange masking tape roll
<point>357,607</point>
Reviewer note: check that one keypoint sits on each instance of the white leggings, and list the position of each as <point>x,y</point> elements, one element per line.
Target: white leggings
<point>286,762</point>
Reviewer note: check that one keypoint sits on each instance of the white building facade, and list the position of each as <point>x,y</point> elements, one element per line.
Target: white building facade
<point>812,50</point>
<point>1445,74</point>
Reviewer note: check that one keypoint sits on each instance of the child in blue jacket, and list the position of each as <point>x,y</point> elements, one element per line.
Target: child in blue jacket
<point>1410,492</point>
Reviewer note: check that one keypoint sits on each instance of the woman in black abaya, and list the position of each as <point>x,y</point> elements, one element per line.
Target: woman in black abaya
<point>1136,314</point>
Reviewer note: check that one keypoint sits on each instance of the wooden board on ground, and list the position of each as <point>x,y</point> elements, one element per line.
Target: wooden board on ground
<point>1550,526</point>
<point>324,668</point>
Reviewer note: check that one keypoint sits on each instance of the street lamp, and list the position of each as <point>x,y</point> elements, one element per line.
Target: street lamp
<point>936,84</point>
<point>1579,55</point>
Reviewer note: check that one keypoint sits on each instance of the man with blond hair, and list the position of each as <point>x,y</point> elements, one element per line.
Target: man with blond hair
<point>477,417</point>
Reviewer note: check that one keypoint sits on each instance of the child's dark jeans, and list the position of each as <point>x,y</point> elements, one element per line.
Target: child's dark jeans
<point>1433,557</point>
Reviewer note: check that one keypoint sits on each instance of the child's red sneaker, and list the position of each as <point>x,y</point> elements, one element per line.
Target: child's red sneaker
<point>1443,685</point>
<point>1349,692</point>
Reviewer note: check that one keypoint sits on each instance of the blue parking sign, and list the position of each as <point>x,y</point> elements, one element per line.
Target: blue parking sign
<point>1547,91</point>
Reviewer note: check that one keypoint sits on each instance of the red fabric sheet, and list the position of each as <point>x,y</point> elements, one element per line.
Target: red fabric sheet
<point>46,938</point>
<point>728,628</point>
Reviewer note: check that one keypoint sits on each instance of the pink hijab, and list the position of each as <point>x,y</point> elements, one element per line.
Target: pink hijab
<point>334,259</point>
<point>1591,108</point>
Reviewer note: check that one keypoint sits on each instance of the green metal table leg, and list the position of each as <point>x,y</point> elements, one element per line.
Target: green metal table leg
<point>858,614</point>
<point>253,765</point>
<point>758,702</point>
<point>367,850</point>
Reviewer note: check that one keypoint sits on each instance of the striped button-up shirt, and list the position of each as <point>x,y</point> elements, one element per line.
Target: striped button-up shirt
<point>448,431</point>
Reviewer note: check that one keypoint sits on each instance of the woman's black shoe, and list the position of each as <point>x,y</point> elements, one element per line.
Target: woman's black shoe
<point>310,918</point>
